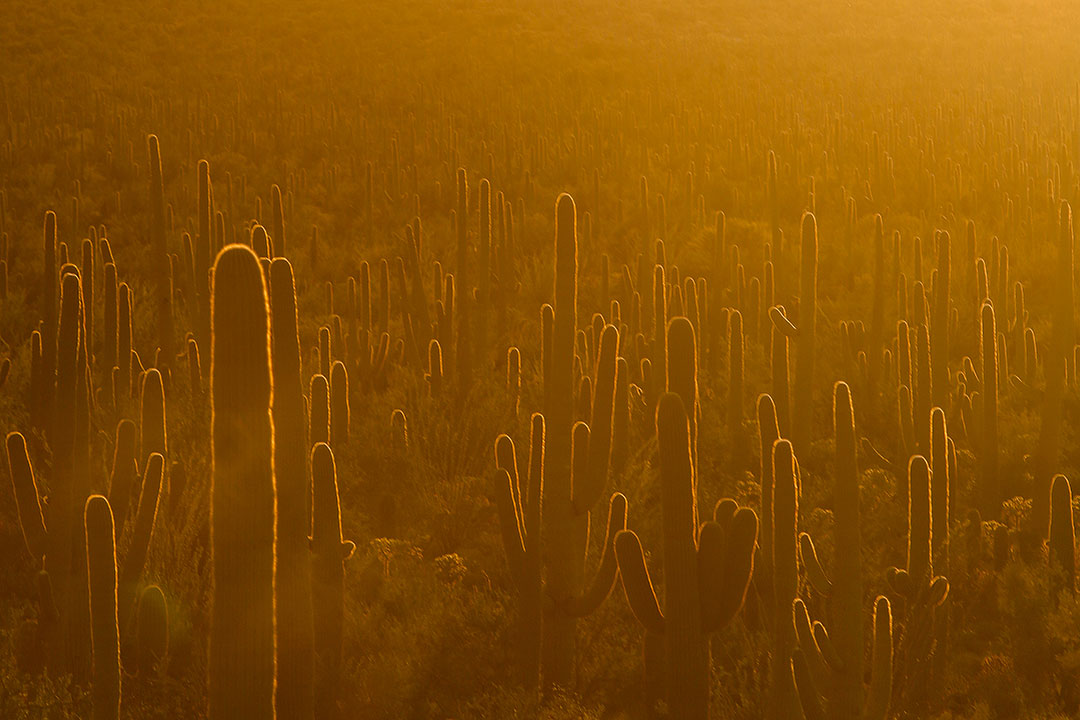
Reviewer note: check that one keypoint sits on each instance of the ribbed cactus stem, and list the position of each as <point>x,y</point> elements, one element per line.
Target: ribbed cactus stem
<point>339,406</point>
<point>104,631</point>
<point>145,519</point>
<point>163,287</point>
<point>989,487</point>
<point>1062,540</point>
<point>565,558</point>
<point>521,520</point>
<point>785,702</point>
<point>318,410</point>
<point>152,438</point>
<point>27,498</point>
<point>329,552</point>
<point>124,471</point>
<point>242,638</point>
<point>1063,335</point>
<point>295,647</point>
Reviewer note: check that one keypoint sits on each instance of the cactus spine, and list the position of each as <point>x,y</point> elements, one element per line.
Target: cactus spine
<point>242,638</point>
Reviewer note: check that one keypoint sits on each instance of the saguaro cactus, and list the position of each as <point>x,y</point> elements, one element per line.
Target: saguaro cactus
<point>104,631</point>
<point>520,517</point>
<point>295,659</point>
<point>804,335</point>
<point>705,575</point>
<point>1048,452</point>
<point>329,553</point>
<point>839,686</point>
<point>153,630</point>
<point>242,638</point>
<point>163,287</point>
<point>1062,536</point>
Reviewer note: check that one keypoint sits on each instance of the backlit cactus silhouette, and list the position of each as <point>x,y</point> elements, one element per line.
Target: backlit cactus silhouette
<point>242,637</point>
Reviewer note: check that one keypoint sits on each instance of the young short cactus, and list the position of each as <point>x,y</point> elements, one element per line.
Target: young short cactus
<point>706,574</point>
<point>242,637</point>
<point>837,685</point>
<point>153,631</point>
<point>1062,541</point>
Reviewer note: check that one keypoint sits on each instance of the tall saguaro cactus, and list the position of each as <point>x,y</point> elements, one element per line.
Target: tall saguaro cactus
<point>104,630</point>
<point>1048,453</point>
<point>706,574</point>
<point>163,287</point>
<point>242,638</point>
<point>329,551</point>
<point>839,673</point>
<point>295,659</point>
<point>805,336</point>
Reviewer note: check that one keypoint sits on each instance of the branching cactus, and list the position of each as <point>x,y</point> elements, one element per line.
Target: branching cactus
<point>104,633</point>
<point>242,638</point>
<point>706,574</point>
<point>834,686</point>
<point>921,589</point>
<point>520,518</point>
<point>329,551</point>
<point>804,335</point>
<point>295,659</point>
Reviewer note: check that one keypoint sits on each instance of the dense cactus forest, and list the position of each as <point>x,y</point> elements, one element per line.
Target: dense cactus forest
<point>607,359</point>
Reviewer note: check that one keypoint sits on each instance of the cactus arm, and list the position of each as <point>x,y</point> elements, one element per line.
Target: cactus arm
<point>938,591</point>
<point>509,523</point>
<point>818,668</point>
<point>105,638</point>
<point>506,459</point>
<point>145,517</point>
<point>636,582</point>
<point>604,580</point>
<point>881,670</point>
<point>780,322</point>
<point>726,563</point>
<point>808,695</point>
<point>814,572</point>
<point>828,651</point>
<point>588,491</point>
<point>899,580</point>
<point>27,501</point>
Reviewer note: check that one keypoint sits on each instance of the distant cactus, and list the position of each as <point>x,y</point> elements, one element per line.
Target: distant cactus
<point>242,638</point>
<point>805,336</point>
<point>318,410</point>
